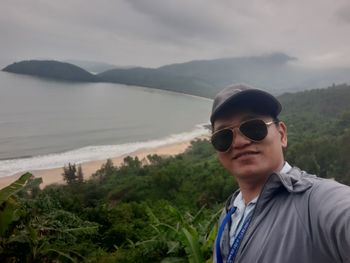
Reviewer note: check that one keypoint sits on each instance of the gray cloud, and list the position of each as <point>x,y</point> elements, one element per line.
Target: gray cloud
<point>180,20</point>
<point>343,14</point>
<point>157,32</point>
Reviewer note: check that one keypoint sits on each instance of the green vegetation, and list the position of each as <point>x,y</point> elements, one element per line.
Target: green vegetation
<point>318,124</point>
<point>165,209</point>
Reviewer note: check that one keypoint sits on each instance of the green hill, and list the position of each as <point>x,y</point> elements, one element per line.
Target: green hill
<point>328,103</point>
<point>315,112</point>
<point>276,73</point>
<point>159,79</point>
<point>207,77</point>
<point>270,72</point>
<point>51,69</point>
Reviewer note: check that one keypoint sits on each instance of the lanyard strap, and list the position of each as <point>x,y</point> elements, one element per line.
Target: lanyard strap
<point>220,231</point>
<point>236,242</point>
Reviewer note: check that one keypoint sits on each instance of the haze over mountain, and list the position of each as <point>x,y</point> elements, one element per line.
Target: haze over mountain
<point>277,73</point>
<point>95,67</point>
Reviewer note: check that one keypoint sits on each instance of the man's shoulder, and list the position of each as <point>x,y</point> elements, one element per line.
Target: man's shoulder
<point>323,191</point>
<point>320,183</point>
<point>329,188</point>
<point>313,190</point>
<point>317,183</point>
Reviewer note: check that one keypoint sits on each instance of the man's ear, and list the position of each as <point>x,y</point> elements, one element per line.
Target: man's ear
<point>282,129</point>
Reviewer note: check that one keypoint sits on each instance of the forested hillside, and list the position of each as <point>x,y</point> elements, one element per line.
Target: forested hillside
<point>158,79</point>
<point>319,130</point>
<point>163,210</point>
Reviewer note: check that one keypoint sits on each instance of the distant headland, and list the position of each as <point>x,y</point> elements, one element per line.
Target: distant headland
<point>51,69</point>
<point>276,73</point>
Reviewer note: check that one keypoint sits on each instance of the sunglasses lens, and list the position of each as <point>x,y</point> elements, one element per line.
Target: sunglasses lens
<point>222,140</point>
<point>255,130</point>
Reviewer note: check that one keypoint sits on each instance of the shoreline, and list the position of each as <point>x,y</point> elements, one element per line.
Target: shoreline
<point>9,167</point>
<point>54,175</point>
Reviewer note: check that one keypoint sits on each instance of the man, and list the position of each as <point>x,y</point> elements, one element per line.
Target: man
<point>280,213</point>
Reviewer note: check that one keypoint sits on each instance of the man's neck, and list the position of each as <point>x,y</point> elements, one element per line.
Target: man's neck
<point>249,191</point>
<point>251,188</point>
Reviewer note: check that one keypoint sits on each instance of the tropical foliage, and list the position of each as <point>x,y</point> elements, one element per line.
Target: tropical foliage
<point>159,209</point>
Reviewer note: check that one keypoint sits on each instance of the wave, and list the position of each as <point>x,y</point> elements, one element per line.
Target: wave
<point>93,153</point>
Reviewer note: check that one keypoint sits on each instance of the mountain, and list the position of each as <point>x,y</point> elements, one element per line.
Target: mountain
<point>51,69</point>
<point>276,73</point>
<point>225,71</point>
<point>272,72</point>
<point>159,79</point>
<point>93,66</point>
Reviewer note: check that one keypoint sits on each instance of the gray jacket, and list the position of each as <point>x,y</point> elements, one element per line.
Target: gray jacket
<point>298,218</point>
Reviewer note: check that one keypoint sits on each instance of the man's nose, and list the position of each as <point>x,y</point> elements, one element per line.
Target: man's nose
<point>239,140</point>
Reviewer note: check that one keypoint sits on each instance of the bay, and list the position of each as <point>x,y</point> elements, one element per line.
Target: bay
<point>45,123</point>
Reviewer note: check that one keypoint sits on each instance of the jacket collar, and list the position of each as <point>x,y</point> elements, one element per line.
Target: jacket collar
<point>294,181</point>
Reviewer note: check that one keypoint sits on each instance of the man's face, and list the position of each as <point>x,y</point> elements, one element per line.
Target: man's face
<point>249,160</point>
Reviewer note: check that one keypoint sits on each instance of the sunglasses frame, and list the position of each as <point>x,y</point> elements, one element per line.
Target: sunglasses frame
<point>232,129</point>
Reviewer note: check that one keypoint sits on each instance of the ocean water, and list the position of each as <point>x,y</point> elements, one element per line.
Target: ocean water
<point>46,124</point>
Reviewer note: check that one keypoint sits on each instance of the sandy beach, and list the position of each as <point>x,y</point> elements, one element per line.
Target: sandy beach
<point>54,176</point>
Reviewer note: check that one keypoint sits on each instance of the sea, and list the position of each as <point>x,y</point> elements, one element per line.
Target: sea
<point>48,124</point>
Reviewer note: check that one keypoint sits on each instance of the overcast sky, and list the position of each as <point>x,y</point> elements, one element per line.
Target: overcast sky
<point>157,32</point>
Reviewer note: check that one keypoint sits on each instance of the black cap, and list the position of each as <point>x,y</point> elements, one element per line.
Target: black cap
<point>242,97</point>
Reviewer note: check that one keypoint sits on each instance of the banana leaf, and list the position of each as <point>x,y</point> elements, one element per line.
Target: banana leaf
<point>13,188</point>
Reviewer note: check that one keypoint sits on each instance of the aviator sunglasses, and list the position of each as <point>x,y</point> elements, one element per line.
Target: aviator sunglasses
<point>254,130</point>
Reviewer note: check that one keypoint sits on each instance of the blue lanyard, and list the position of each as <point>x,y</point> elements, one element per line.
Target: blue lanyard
<point>234,248</point>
